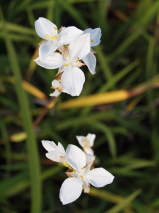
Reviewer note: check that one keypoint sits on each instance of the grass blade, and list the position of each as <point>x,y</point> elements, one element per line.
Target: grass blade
<point>119,207</point>
<point>34,166</point>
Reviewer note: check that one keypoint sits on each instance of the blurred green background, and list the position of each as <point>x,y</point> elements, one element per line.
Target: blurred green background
<point>122,109</point>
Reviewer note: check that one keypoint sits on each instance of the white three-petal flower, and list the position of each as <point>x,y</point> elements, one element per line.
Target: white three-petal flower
<point>81,176</point>
<point>87,142</point>
<point>54,38</point>
<point>73,77</point>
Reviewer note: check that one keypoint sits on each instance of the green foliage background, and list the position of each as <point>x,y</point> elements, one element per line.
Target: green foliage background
<point>127,142</point>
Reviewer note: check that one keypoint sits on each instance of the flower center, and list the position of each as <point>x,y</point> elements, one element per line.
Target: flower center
<point>68,62</point>
<point>81,174</point>
<point>82,177</point>
<point>73,62</point>
<point>86,143</point>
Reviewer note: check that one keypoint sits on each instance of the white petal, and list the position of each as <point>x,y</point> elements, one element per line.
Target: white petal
<point>69,34</point>
<point>99,177</point>
<point>80,47</point>
<point>91,138</point>
<point>60,149</point>
<point>51,62</point>
<point>55,93</point>
<point>56,83</point>
<point>81,140</point>
<point>49,145</point>
<point>58,88</point>
<point>43,26</point>
<point>61,29</point>
<point>88,30</point>
<point>58,155</point>
<point>89,158</point>
<point>75,157</point>
<point>88,150</point>
<point>72,80</point>
<point>70,190</point>
<point>47,49</point>
<point>90,61</point>
<point>95,35</point>
<point>54,156</point>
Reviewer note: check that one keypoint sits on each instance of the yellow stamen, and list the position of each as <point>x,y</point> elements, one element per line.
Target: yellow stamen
<point>53,87</point>
<point>82,177</point>
<point>55,28</point>
<point>67,165</point>
<point>66,53</point>
<point>53,37</point>
<point>47,36</point>
<point>67,64</point>
<point>91,40</point>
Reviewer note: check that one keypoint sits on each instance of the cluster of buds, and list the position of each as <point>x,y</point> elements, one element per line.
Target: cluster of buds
<point>67,49</point>
<point>81,172</point>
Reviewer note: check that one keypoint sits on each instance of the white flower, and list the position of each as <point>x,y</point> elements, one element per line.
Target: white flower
<point>56,84</point>
<point>82,176</point>
<point>54,38</point>
<point>87,142</point>
<point>72,78</point>
<point>55,152</point>
<point>90,59</point>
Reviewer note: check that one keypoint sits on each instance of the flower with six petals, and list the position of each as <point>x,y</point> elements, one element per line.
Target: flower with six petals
<point>72,78</point>
<point>66,49</point>
<point>82,176</point>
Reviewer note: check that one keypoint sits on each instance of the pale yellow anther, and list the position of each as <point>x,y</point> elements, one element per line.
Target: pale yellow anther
<point>53,87</point>
<point>55,28</point>
<point>67,64</point>
<point>82,177</point>
<point>53,37</point>
<point>47,36</point>
<point>66,53</point>
<point>91,40</point>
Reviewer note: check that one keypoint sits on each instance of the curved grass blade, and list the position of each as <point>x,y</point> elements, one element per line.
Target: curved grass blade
<point>33,162</point>
<point>119,207</point>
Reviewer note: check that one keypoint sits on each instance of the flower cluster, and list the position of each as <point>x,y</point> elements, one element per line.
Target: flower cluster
<point>67,49</point>
<point>81,172</point>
